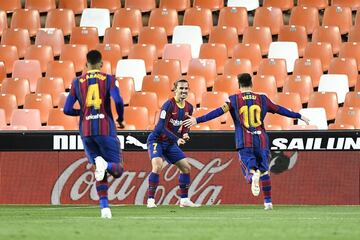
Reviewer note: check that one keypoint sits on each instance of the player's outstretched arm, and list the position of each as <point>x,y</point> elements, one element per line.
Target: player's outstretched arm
<point>305,119</point>
<point>207,117</point>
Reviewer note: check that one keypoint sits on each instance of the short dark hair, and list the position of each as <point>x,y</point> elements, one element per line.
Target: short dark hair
<point>179,81</point>
<point>244,80</point>
<point>93,57</point>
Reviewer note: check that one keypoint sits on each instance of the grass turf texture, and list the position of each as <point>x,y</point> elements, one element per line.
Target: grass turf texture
<point>172,222</point>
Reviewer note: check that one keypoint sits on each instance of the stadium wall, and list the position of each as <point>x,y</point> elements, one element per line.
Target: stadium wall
<point>55,170</point>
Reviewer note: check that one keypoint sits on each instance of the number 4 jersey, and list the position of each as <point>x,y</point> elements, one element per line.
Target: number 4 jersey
<point>248,111</point>
<point>93,90</point>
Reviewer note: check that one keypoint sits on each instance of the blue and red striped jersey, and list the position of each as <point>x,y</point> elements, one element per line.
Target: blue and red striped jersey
<point>248,111</point>
<point>169,127</point>
<point>93,90</point>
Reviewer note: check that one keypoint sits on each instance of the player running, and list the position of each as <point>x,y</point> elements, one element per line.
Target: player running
<point>97,128</point>
<point>163,143</point>
<point>248,110</point>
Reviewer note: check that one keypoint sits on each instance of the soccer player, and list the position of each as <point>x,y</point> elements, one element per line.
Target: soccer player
<point>248,110</point>
<point>163,143</point>
<point>97,128</point>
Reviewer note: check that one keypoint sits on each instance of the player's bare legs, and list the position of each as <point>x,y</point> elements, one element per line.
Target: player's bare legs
<point>184,183</point>
<point>266,189</point>
<point>156,164</point>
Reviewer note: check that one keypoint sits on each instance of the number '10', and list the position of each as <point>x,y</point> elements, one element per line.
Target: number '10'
<point>251,115</point>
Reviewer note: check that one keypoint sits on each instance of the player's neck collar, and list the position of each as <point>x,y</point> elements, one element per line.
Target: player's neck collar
<point>180,104</point>
<point>93,70</point>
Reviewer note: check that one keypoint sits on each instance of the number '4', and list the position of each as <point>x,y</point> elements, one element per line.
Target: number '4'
<point>93,96</point>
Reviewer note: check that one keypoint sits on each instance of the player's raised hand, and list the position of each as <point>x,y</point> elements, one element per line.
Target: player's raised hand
<point>191,121</point>
<point>305,119</point>
<point>186,137</point>
<point>180,141</point>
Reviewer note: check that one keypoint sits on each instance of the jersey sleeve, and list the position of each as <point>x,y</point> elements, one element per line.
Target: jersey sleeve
<point>214,113</point>
<point>70,101</point>
<point>161,126</point>
<point>274,108</point>
<point>119,103</point>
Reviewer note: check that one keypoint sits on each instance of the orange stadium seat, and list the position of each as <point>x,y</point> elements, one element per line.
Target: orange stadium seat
<point>146,99</point>
<point>330,34</point>
<point>62,69</point>
<point>77,6</point>
<point>212,5</point>
<point>51,37</point>
<point>51,85</point>
<point>143,5</point>
<point>289,100</point>
<point>271,127</point>
<point>163,17</point>
<point>112,5</point>
<point>28,69</point>
<point>26,19</point>
<point>249,51</point>
<point>75,53</point>
<point>259,35</point>
<point>8,55</point>
<point>350,50</point>
<point>146,52</point>
<point>346,66</point>
<point>302,127</point>
<point>40,101</point>
<point>354,4</point>
<point>42,53</point>
<point>30,118</point>
<point>301,84</point>
<point>63,19</point>
<point>85,35</point>
<point>3,21</point>
<point>237,66</point>
<point>40,5</point>
<point>2,118</point>
<point>311,67</point>
<point>296,34</point>
<point>154,35</point>
<point>236,17</point>
<point>179,5</point>
<point>127,88</point>
<point>128,18</point>
<point>10,6</point>
<point>2,72</point>
<point>354,34</point>
<point>121,36</point>
<point>284,5</point>
<point>326,100</point>
<point>191,98</point>
<point>181,52</point>
<point>17,37</point>
<point>168,67</point>
<point>338,16</point>
<point>110,52</point>
<point>320,4</point>
<point>348,115</point>
<point>217,51</point>
<point>320,50</point>
<point>213,99</point>
<point>58,118</point>
<point>225,35</point>
<point>271,17</point>
<point>337,126</point>
<point>201,17</point>
<point>275,67</point>
<point>201,127</point>
<point>265,84</point>
<point>226,83</point>
<point>52,128</point>
<point>276,119</point>
<point>357,19</point>
<point>197,85</point>
<point>9,104</point>
<point>159,84</point>
<point>137,116</point>
<point>13,128</point>
<point>306,16</point>
<point>203,67</point>
<point>352,99</point>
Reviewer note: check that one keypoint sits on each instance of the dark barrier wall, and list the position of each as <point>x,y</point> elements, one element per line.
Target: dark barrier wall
<point>44,168</point>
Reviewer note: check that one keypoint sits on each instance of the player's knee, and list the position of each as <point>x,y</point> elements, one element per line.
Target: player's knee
<point>186,169</point>
<point>156,165</point>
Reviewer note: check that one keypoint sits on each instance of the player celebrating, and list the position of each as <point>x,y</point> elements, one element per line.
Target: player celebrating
<point>248,110</point>
<point>163,143</point>
<point>97,128</point>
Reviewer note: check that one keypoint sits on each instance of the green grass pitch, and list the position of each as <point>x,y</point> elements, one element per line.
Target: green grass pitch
<point>172,222</point>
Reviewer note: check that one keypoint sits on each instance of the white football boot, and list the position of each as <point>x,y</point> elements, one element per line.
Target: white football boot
<point>106,213</point>
<point>268,206</point>
<point>186,202</point>
<point>151,203</point>
<point>255,188</point>
<point>101,166</point>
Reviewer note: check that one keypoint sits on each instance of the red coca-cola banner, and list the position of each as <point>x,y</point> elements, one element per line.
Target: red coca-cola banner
<point>67,178</point>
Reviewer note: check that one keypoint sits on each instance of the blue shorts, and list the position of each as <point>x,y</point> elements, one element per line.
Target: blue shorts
<point>168,151</point>
<point>254,158</point>
<point>107,147</point>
